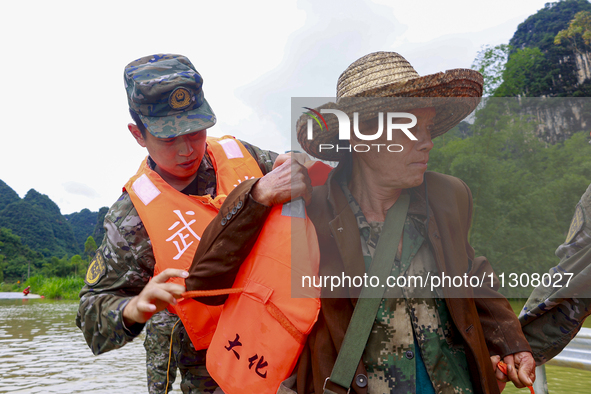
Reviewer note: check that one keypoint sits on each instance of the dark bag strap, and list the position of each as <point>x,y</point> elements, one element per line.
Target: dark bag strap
<point>369,300</point>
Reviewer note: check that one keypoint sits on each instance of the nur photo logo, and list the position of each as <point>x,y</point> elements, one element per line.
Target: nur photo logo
<point>392,122</point>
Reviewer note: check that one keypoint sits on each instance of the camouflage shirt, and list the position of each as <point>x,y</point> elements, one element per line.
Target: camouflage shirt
<point>128,260</point>
<point>552,315</point>
<point>413,346</point>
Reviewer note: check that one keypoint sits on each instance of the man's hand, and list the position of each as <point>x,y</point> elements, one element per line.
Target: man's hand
<point>288,181</point>
<point>521,369</point>
<point>301,158</point>
<point>501,383</point>
<point>154,297</point>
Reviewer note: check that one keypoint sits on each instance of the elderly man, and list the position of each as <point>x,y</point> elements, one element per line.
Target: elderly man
<point>418,340</point>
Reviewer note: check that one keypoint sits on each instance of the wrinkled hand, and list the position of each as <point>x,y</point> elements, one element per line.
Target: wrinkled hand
<point>495,360</point>
<point>288,181</point>
<point>301,158</point>
<point>521,369</point>
<point>154,297</point>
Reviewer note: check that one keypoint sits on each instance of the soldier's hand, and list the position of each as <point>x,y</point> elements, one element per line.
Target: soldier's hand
<point>521,369</point>
<point>286,182</point>
<point>154,297</point>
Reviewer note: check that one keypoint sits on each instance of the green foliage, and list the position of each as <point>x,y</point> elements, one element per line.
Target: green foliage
<point>536,66</point>
<point>540,29</point>
<point>99,230</point>
<point>60,288</point>
<point>41,226</point>
<point>15,257</point>
<point>83,224</point>
<point>89,247</point>
<point>490,62</point>
<point>525,74</point>
<point>524,192</point>
<point>62,231</point>
<point>7,195</point>
<point>3,266</point>
<point>579,26</point>
<point>80,265</point>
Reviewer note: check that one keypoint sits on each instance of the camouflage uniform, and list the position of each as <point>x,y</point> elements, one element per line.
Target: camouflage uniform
<point>413,346</point>
<point>161,364</point>
<point>552,316</point>
<point>126,264</point>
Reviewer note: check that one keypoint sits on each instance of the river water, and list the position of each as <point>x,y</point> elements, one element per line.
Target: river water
<point>42,351</point>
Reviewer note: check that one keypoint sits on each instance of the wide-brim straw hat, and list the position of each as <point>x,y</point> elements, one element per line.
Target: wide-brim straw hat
<point>386,82</point>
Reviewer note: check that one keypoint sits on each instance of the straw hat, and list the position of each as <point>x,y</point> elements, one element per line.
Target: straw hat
<point>386,82</point>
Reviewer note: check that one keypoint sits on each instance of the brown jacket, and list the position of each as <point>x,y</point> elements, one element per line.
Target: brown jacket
<point>488,325</point>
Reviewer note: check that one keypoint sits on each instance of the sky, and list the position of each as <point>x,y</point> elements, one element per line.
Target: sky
<point>63,102</point>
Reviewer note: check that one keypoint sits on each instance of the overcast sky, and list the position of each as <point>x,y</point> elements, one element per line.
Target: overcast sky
<point>64,109</point>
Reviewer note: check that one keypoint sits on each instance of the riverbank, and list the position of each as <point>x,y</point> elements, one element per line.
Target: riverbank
<point>52,287</point>
<point>17,296</point>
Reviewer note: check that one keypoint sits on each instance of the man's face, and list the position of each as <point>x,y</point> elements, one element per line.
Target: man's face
<point>177,159</point>
<point>403,169</point>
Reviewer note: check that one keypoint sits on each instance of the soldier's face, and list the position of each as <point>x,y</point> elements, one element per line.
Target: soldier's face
<point>177,159</point>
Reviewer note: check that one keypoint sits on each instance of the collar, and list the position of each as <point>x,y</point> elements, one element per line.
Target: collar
<point>205,179</point>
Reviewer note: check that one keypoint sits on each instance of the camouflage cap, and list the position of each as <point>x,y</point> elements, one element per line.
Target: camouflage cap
<point>166,92</point>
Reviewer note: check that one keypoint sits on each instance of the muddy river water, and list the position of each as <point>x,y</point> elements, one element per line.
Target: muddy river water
<point>42,351</point>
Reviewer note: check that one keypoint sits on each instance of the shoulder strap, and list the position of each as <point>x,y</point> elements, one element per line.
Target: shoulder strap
<point>369,300</point>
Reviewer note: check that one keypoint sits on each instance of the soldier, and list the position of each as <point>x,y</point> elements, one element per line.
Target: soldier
<point>555,311</point>
<point>122,292</point>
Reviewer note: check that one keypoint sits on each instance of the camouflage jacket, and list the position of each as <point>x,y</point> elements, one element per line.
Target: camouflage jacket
<point>552,316</point>
<point>127,262</point>
<point>413,340</point>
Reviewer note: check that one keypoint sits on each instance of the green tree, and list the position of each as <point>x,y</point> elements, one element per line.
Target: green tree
<point>89,247</point>
<point>78,264</point>
<point>2,266</point>
<point>525,74</point>
<point>579,26</point>
<point>17,256</point>
<point>57,267</point>
<point>524,193</point>
<point>490,62</point>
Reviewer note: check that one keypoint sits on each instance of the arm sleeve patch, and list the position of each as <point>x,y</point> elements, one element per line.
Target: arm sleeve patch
<point>96,269</point>
<point>576,224</point>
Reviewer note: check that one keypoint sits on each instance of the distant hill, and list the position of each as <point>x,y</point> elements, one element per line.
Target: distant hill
<point>539,68</point>
<point>83,224</point>
<point>7,195</point>
<point>37,220</point>
<point>557,70</point>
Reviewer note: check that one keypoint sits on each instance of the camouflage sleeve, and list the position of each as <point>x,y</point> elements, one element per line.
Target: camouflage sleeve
<point>265,158</point>
<point>552,316</point>
<point>120,269</point>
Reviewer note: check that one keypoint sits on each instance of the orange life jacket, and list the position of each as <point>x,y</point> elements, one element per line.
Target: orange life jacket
<point>175,222</point>
<point>255,339</point>
<point>263,329</point>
